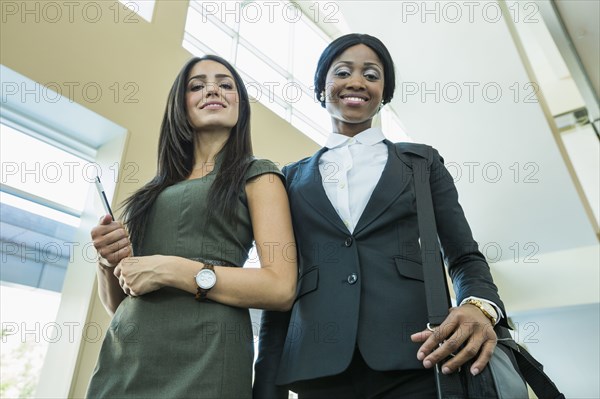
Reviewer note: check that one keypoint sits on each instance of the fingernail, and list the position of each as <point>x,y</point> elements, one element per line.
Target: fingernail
<point>421,355</point>
<point>475,371</point>
<point>445,370</point>
<point>427,364</point>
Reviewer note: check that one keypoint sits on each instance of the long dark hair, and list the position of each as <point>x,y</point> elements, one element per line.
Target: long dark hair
<point>339,45</point>
<point>176,155</point>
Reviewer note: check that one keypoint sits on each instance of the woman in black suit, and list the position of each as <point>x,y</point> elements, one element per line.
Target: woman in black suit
<point>358,326</point>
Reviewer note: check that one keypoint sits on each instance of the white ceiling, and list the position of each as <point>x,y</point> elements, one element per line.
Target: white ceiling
<point>479,134</point>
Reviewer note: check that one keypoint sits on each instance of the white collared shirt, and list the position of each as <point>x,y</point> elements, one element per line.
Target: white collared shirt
<point>350,171</point>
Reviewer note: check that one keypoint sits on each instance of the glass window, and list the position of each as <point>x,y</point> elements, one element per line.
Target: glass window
<point>39,182</point>
<point>192,45</point>
<point>227,12</point>
<point>144,8</point>
<point>310,44</point>
<point>35,167</point>
<point>309,107</point>
<point>260,71</point>
<point>26,331</point>
<point>262,94</point>
<point>392,127</point>
<point>276,49</point>
<point>265,28</point>
<point>208,34</point>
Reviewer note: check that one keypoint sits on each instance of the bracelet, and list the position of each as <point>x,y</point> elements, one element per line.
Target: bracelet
<point>481,307</point>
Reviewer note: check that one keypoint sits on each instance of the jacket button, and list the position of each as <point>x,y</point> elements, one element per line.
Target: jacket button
<point>352,278</point>
<point>348,241</point>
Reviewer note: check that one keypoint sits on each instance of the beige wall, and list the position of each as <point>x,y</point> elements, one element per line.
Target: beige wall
<point>149,55</point>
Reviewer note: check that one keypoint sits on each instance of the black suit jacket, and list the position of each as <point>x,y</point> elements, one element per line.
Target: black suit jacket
<point>364,288</point>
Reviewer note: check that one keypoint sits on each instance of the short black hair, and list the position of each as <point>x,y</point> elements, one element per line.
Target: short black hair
<point>339,45</point>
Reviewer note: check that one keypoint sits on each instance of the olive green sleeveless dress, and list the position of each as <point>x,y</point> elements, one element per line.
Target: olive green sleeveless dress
<point>166,344</point>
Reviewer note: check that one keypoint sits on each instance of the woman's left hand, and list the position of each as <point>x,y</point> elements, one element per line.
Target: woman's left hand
<point>465,324</point>
<point>140,275</point>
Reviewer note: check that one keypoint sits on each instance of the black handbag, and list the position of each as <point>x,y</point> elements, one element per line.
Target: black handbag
<point>511,365</point>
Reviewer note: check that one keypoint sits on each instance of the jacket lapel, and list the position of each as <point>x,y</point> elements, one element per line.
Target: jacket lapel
<point>310,187</point>
<point>394,179</point>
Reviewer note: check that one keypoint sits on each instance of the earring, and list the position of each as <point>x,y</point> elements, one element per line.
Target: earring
<point>322,97</point>
<point>380,106</point>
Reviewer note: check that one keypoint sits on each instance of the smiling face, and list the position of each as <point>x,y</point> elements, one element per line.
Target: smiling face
<point>354,89</point>
<point>211,97</point>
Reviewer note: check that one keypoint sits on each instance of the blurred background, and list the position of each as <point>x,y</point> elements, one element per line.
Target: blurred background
<point>507,91</point>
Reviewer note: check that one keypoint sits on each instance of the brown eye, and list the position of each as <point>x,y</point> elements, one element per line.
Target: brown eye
<point>196,87</point>
<point>372,75</point>
<point>342,72</point>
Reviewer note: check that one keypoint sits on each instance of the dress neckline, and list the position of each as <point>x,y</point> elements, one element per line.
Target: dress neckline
<point>217,164</point>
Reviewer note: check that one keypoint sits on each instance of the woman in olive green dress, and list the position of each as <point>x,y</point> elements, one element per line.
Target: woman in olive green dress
<point>181,325</point>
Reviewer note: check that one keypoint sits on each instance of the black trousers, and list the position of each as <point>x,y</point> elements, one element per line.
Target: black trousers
<point>359,381</point>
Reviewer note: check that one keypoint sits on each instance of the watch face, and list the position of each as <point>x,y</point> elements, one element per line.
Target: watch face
<point>490,309</point>
<point>206,279</point>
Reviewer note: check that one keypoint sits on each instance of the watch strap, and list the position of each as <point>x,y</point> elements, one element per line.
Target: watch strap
<point>202,292</point>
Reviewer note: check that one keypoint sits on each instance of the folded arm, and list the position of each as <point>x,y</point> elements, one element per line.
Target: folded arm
<point>272,286</point>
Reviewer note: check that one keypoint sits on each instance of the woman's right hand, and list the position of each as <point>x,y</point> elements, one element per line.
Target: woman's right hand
<point>111,240</point>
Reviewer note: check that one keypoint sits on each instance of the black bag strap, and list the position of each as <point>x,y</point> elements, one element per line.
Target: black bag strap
<point>436,288</point>
<point>533,371</point>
